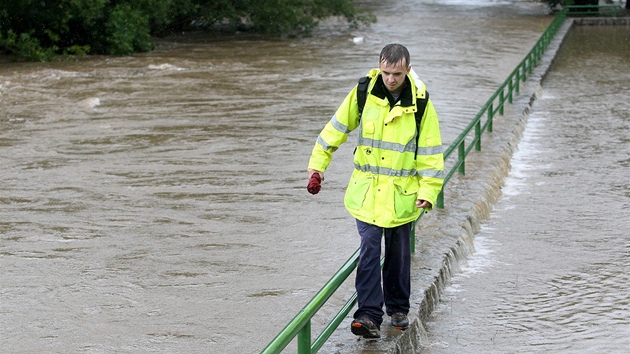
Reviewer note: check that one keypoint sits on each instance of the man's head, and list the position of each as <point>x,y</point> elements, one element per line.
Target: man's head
<point>394,65</point>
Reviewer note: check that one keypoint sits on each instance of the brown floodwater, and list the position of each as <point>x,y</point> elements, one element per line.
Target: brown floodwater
<point>157,203</point>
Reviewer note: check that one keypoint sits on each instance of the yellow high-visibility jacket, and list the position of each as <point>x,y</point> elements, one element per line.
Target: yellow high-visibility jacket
<point>390,171</point>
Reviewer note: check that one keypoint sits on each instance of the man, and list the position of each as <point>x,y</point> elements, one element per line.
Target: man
<point>396,176</point>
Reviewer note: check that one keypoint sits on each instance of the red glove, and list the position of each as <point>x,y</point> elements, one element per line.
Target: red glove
<point>314,184</point>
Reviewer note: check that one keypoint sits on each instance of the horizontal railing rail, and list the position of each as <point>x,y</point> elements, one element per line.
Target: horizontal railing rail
<point>300,326</point>
<point>591,10</point>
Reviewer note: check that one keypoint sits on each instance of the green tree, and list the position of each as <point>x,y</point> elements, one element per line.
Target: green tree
<point>42,30</point>
<point>553,3</point>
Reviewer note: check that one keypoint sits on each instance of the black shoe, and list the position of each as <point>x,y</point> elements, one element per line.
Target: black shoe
<point>400,321</point>
<point>363,326</point>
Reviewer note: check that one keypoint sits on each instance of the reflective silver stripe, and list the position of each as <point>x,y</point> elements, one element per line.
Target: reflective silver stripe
<point>430,150</point>
<point>342,128</point>
<point>410,147</point>
<point>384,171</point>
<point>380,144</point>
<point>431,173</point>
<point>399,173</point>
<point>324,144</point>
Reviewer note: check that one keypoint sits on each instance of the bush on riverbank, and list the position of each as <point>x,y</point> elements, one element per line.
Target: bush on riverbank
<point>39,30</point>
<point>552,4</point>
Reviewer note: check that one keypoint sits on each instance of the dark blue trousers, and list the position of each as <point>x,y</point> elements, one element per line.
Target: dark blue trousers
<point>396,280</point>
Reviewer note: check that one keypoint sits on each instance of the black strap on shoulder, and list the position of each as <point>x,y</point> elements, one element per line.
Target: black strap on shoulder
<point>362,88</point>
<point>421,105</point>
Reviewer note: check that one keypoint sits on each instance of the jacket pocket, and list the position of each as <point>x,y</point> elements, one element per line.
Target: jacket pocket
<point>356,192</point>
<point>405,195</point>
<point>368,128</point>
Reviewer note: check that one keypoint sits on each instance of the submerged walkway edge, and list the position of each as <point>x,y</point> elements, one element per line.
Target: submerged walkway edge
<point>488,176</point>
<point>445,237</point>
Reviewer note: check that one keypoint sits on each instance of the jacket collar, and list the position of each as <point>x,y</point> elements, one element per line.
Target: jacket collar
<point>379,90</point>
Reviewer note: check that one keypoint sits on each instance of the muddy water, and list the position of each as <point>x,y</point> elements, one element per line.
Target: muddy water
<point>156,203</point>
<point>551,269</point>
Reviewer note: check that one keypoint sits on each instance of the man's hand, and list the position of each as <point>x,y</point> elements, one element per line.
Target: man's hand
<point>423,204</point>
<point>314,181</point>
<point>311,172</point>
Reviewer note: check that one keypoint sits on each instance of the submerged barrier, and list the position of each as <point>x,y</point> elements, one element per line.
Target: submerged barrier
<point>469,139</point>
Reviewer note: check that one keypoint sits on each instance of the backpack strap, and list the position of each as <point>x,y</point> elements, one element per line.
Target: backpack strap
<point>421,105</point>
<point>362,88</point>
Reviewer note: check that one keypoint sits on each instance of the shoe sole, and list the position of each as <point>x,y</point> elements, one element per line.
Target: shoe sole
<point>360,330</point>
<point>401,325</point>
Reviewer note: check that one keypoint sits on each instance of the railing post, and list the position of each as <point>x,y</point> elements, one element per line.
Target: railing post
<point>510,89</point>
<point>304,339</point>
<point>478,135</point>
<point>461,155</point>
<point>440,199</point>
<point>547,37</point>
<point>517,80</point>
<point>501,101</point>
<point>490,121</point>
<point>490,117</point>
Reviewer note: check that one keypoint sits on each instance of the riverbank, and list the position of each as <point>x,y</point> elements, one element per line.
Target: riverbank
<point>440,254</point>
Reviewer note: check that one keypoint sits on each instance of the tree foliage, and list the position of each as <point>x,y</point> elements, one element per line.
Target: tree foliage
<point>553,4</point>
<point>45,29</point>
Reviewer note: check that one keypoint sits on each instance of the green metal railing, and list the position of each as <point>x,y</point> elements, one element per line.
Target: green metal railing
<point>496,104</point>
<point>593,10</point>
<point>300,326</point>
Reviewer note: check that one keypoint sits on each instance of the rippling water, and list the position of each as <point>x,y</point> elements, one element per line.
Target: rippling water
<point>552,271</point>
<point>156,202</point>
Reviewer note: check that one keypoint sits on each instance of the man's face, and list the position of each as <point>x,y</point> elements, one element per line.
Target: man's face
<point>394,74</point>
